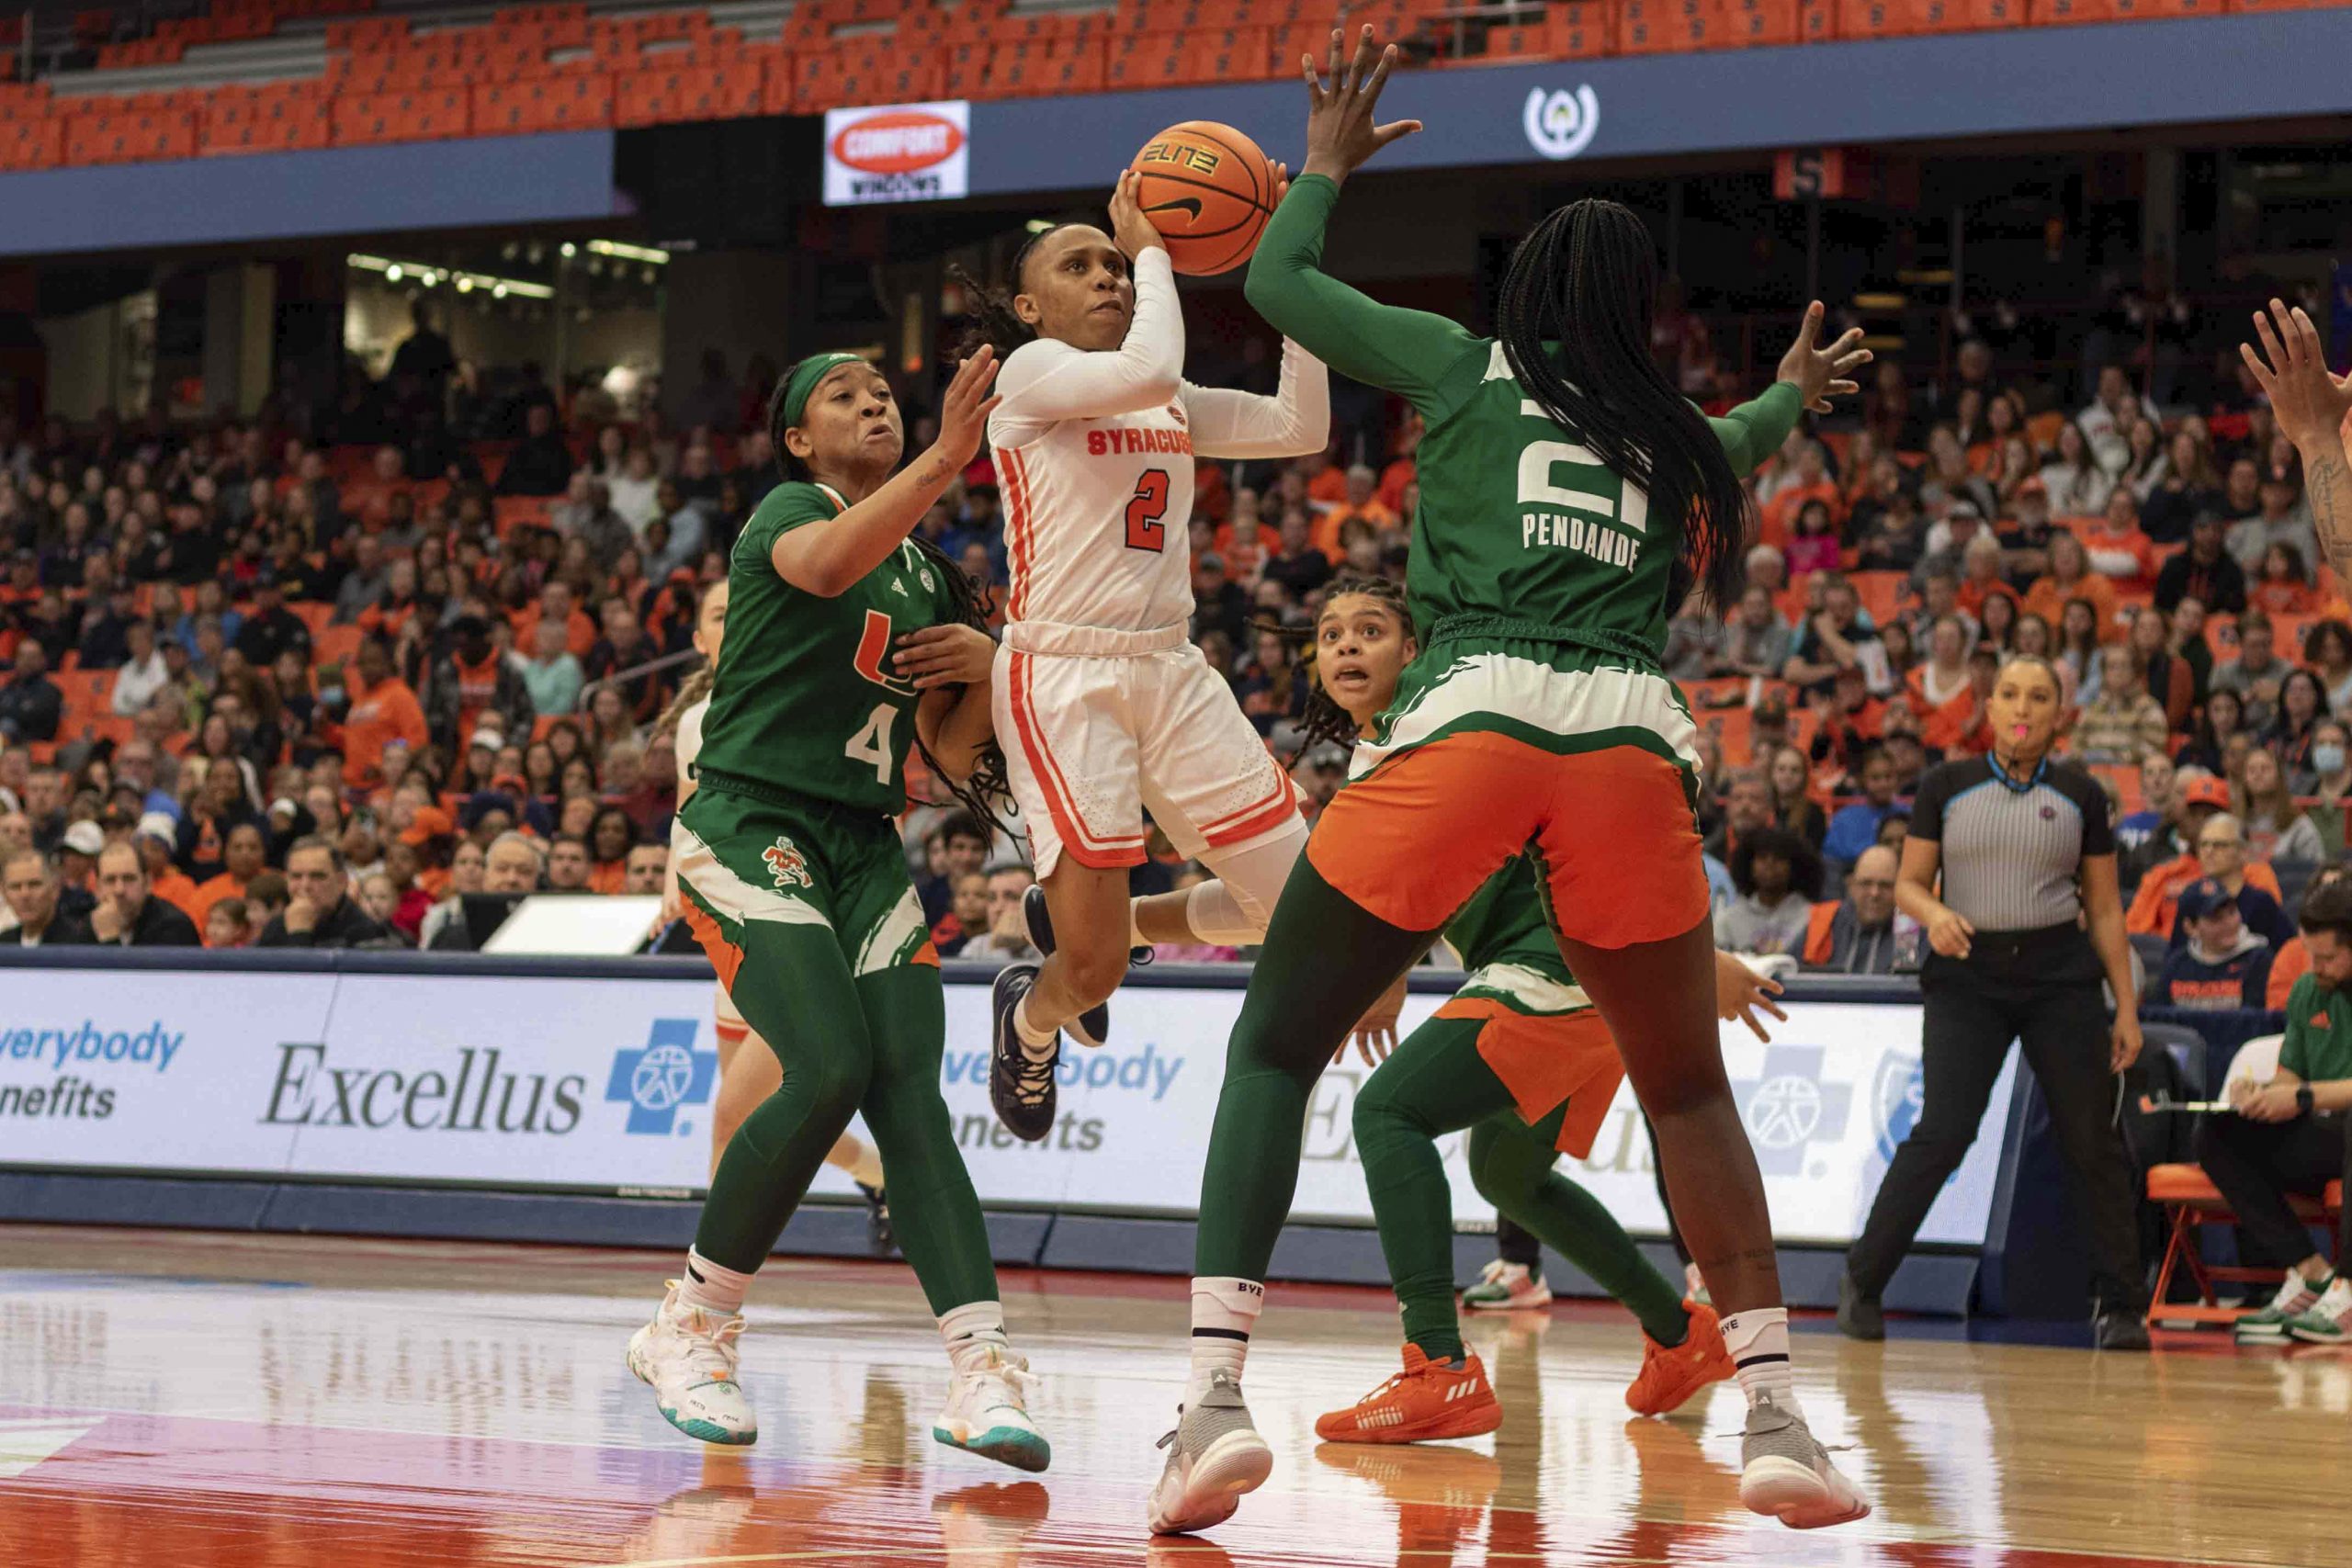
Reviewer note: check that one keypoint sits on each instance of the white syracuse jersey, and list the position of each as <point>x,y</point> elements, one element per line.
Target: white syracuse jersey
<point>1094,455</point>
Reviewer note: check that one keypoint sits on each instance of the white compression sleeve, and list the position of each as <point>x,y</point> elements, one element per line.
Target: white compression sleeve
<point>1234,910</point>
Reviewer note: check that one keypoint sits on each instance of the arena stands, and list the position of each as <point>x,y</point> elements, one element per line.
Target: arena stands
<point>266,75</point>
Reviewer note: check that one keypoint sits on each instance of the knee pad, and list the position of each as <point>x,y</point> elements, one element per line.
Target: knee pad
<point>1235,909</point>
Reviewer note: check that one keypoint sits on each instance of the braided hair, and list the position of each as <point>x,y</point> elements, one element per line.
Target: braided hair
<point>1573,319</point>
<point>988,788</point>
<point>990,319</point>
<point>1323,719</point>
<point>697,686</point>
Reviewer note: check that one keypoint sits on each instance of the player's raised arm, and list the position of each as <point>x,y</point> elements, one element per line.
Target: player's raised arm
<point>1406,352</point>
<point>827,559</point>
<point>1292,422</point>
<point>1076,290</point>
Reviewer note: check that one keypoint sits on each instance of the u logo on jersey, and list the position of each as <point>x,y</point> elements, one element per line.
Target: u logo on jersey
<point>873,648</point>
<point>786,864</point>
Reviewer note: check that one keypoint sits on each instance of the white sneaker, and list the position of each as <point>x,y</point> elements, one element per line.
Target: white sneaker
<point>2329,1321</point>
<point>1214,1455</point>
<point>987,1413</point>
<point>1787,1474</point>
<point>1507,1287</point>
<point>689,1359</point>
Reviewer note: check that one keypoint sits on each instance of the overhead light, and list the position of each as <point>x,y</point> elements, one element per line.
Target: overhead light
<point>464,284</point>
<point>498,291</point>
<point>393,272</point>
<point>630,253</point>
<point>433,277</point>
<point>570,249</point>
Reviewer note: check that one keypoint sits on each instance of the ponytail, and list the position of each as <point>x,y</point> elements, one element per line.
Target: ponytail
<point>990,320</point>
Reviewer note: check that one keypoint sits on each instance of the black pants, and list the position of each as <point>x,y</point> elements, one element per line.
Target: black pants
<point>2256,1164</point>
<point>2040,988</point>
<point>1514,1244</point>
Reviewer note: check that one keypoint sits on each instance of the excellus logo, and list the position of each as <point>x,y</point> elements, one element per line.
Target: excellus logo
<point>471,1090</point>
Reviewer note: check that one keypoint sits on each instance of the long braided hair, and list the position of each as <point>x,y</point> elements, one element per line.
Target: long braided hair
<point>989,317</point>
<point>1323,719</point>
<point>1573,319</point>
<point>987,789</point>
<point>697,686</point>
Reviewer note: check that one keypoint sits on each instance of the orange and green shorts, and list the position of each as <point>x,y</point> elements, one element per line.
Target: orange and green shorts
<point>1505,748</point>
<point>1546,1044</point>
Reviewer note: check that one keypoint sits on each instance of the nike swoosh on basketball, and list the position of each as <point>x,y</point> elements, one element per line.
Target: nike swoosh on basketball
<point>1189,205</point>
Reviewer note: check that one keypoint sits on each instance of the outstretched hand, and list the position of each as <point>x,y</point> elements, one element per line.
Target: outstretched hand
<point>1340,133</point>
<point>2310,403</point>
<point>964,412</point>
<point>1820,374</point>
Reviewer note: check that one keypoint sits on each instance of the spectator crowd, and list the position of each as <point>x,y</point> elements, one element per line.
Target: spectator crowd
<point>314,677</point>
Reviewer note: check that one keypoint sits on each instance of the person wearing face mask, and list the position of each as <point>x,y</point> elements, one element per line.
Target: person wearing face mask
<point>2328,784</point>
<point>2010,867</point>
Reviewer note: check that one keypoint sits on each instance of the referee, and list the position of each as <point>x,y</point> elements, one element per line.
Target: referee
<point>2027,853</point>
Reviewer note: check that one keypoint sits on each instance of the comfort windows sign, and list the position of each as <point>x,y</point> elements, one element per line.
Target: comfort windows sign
<point>897,152</point>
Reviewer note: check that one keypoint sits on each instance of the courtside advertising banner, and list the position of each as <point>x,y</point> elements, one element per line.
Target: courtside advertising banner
<point>606,1085</point>
<point>897,152</point>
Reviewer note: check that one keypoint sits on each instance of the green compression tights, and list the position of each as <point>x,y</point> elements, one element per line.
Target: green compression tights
<point>871,1042</point>
<point>1435,1083</point>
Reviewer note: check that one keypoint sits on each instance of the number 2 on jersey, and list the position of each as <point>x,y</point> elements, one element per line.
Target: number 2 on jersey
<point>872,742</point>
<point>1145,529</point>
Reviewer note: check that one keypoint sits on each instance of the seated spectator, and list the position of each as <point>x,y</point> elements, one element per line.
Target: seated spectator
<point>610,837</point>
<point>156,838</point>
<point>2327,649</point>
<point>2170,678</point>
<point>2117,548</point>
<point>967,917</point>
<point>2078,487</point>
<point>2159,805</point>
<point>1694,640</point>
<point>242,859</point>
<point>2221,965</point>
<point>380,899</point>
<point>1747,810</point>
<point>465,875</point>
<point>271,628</point>
<point>2282,583</point>
<point>225,924</point>
<point>2292,1135</point>
<point>1981,582</point>
<point>2327,782</point>
<point>2293,960</point>
<point>1813,546</point>
<point>2276,828</point>
<point>1835,636</point>
<point>28,881</point>
<point>1864,933</point>
<point>2302,703</point>
<point>512,864</point>
<point>128,914</point>
<point>473,684</point>
<point>2203,799</point>
<point>956,847</point>
<point>540,463</point>
<point>2204,571</point>
<point>569,868</point>
<point>320,911</point>
<point>1805,482</point>
<point>1854,829</point>
<point>2123,723</point>
<point>1892,538</point>
<point>551,676</point>
<point>2281,519</point>
<point>379,710</point>
<point>1940,692</point>
<point>1007,940</point>
<point>1778,877</point>
<point>2257,673</point>
<point>31,706</point>
<point>143,674</point>
<point>1756,642</point>
<point>1296,564</point>
<point>1360,501</point>
<point>2221,851</point>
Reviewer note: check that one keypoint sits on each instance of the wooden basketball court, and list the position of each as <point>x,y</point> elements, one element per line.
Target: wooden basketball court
<point>204,1401</point>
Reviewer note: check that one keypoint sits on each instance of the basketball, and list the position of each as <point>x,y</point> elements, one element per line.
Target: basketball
<point>1208,190</point>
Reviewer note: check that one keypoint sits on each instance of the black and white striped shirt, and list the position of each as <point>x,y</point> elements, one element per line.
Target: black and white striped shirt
<point>2012,847</point>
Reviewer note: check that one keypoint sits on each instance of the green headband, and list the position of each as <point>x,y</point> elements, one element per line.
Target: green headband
<point>803,380</point>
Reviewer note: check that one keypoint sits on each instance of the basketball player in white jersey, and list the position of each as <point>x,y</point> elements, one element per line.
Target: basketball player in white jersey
<point>745,1077</point>
<point>1105,707</point>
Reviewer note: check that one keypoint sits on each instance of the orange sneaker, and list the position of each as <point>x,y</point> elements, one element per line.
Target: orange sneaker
<point>1427,1400</point>
<point>1671,1375</point>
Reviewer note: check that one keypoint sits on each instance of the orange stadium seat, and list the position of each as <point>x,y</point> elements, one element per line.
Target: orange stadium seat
<point>1143,59</point>
<point>335,644</point>
<point>1766,23</point>
<point>1581,29</point>
<point>2191,1203</point>
<point>1231,55</point>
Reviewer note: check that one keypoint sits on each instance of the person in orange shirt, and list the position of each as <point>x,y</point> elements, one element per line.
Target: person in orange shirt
<point>610,837</point>
<point>2116,545</point>
<point>2157,903</point>
<point>1980,578</point>
<point>1361,500</point>
<point>2071,577</point>
<point>1941,693</point>
<point>242,859</point>
<point>157,839</point>
<point>1404,468</point>
<point>1243,539</point>
<point>1809,481</point>
<point>381,709</point>
<point>555,604</point>
<point>1326,487</point>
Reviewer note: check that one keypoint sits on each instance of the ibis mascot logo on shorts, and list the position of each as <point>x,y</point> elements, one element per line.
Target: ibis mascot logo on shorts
<point>786,865</point>
<point>1561,124</point>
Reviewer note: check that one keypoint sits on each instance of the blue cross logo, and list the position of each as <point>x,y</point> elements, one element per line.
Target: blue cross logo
<point>667,1072</point>
<point>1788,1106</point>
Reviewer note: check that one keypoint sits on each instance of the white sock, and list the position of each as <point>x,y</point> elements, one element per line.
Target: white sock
<point>1134,926</point>
<point>712,1288</point>
<point>1038,1042</point>
<point>867,1166</point>
<point>1758,1342</point>
<point>971,1331</point>
<point>1224,1311</point>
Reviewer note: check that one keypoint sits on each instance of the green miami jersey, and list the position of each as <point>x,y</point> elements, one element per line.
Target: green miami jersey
<point>804,698</point>
<point>1518,521</point>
